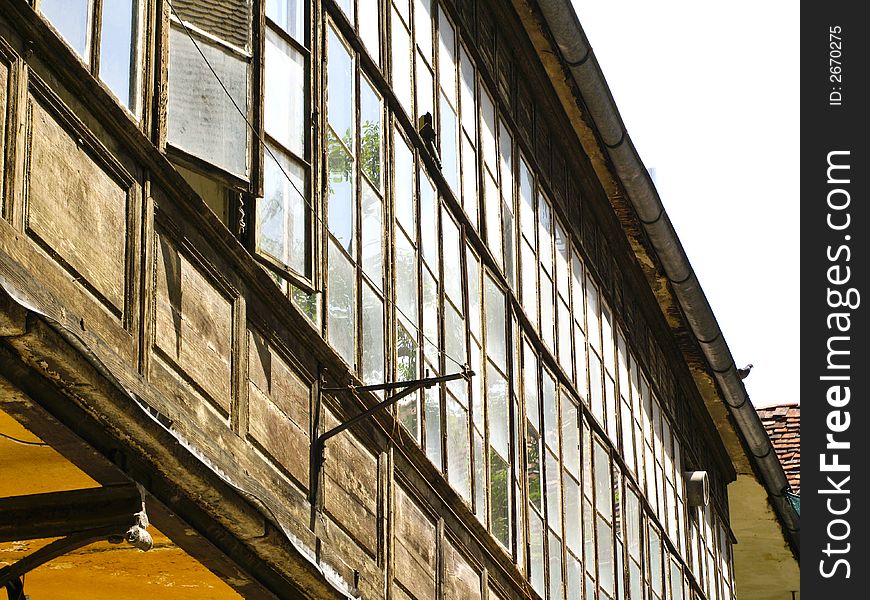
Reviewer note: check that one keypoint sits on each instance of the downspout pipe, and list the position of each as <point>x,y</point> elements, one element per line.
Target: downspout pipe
<point>631,172</point>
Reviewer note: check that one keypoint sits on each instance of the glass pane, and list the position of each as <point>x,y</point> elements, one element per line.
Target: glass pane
<point>632,523</point>
<point>548,318</point>
<point>401,69</point>
<point>577,291</point>
<point>342,306</point>
<point>602,482</point>
<point>563,250</point>
<point>202,120</point>
<point>289,15</point>
<point>433,425</point>
<point>529,282</point>
<point>551,423</point>
<point>573,531</point>
<point>496,349</point>
<point>430,317</point>
<point>565,324</point>
<point>308,303</point>
<point>371,130</point>
<point>536,552</point>
<point>533,460</point>
<point>369,11</point>
<point>554,493</point>
<point>449,145</point>
<point>72,18</point>
<point>492,210</point>
<point>372,235</point>
<point>458,449</point>
<point>605,556</point>
<point>596,387</point>
<point>469,181</point>
<point>423,27</point>
<point>425,89</point>
<point>555,551</point>
<point>452,249</point>
<point>341,217</point>
<point>608,356</point>
<point>570,436</point>
<point>284,99</point>
<point>530,383</point>
<point>487,131</point>
<point>406,278</point>
<point>655,560</point>
<point>499,498</point>
<point>282,214</point>
<point>467,97</point>
<point>510,245</point>
<point>589,537</point>
<point>119,50</point>
<point>373,337</point>
<point>447,57</point>
<point>581,374</point>
<point>454,339</point>
<point>545,236</point>
<point>406,369</point>
<point>593,332</point>
<point>406,352</point>
<point>497,403</point>
<point>428,222</point>
<point>347,7</point>
<point>340,107</point>
<point>479,476</point>
<point>574,581</point>
<point>403,184</point>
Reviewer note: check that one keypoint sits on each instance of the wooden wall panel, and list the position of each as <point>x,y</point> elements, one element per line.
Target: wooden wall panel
<point>461,581</point>
<point>350,486</point>
<point>278,405</point>
<point>415,549</point>
<point>4,116</point>
<point>77,208</point>
<point>193,324</point>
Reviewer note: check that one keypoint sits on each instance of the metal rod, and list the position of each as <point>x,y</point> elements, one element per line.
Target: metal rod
<point>410,387</point>
<point>426,382</point>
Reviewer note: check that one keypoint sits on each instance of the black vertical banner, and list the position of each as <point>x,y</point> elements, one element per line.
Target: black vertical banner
<point>835,338</point>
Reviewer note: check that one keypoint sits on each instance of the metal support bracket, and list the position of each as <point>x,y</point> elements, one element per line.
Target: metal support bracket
<point>407,388</point>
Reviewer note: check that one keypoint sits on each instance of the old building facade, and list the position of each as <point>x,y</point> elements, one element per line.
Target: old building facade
<point>225,224</point>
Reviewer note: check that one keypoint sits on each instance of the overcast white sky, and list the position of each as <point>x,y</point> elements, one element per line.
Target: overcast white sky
<point>709,93</point>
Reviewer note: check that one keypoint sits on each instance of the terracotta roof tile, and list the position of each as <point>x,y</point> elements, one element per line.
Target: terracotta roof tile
<point>783,425</point>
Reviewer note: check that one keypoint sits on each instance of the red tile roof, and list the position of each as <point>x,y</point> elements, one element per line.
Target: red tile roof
<point>783,425</point>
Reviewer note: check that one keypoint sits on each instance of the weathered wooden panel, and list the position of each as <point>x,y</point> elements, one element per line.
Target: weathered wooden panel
<point>193,324</point>
<point>76,207</point>
<point>461,581</point>
<point>272,375</point>
<point>351,488</point>
<point>351,562</point>
<point>278,408</point>
<point>415,548</point>
<point>4,103</point>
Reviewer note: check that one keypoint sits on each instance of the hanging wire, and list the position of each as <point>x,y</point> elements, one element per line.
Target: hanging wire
<point>262,143</point>
<point>20,441</point>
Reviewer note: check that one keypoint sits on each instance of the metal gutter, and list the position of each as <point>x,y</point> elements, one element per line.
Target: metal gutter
<point>626,164</point>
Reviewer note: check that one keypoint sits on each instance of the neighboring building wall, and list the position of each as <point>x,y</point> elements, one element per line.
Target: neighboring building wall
<point>559,466</point>
<point>783,425</point>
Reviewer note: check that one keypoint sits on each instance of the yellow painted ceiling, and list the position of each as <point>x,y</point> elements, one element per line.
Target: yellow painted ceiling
<point>101,571</point>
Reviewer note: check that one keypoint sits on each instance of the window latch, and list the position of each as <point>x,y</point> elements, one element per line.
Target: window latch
<point>426,129</point>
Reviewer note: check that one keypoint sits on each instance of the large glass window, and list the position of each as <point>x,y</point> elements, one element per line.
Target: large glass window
<point>355,221</point>
<point>117,59</point>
